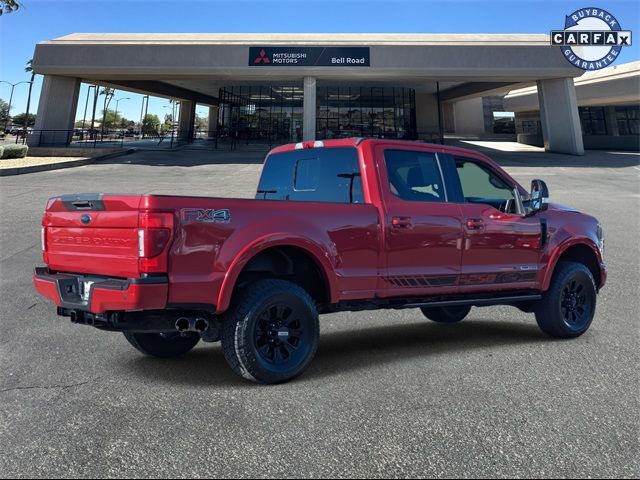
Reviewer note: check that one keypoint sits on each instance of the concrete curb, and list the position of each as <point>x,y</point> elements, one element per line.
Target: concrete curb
<point>5,172</point>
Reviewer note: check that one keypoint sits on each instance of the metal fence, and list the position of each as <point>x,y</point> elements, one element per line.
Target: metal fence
<point>225,140</point>
<point>96,139</point>
<point>220,140</point>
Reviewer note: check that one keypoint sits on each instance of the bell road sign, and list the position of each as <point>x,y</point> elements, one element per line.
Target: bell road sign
<point>309,56</point>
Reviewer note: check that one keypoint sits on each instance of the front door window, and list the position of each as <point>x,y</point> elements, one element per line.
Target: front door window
<point>480,185</point>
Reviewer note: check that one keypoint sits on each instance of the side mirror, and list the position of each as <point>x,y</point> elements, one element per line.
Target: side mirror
<point>539,198</point>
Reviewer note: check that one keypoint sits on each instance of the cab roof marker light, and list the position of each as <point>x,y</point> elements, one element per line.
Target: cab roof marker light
<point>299,146</point>
<point>318,144</point>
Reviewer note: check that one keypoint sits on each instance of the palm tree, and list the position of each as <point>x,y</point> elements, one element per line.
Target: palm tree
<point>8,6</point>
<point>29,69</point>
<point>108,95</point>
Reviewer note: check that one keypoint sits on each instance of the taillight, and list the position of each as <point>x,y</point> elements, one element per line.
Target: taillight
<point>43,240</point>
<point>151,241</point>
<point>154,235</point>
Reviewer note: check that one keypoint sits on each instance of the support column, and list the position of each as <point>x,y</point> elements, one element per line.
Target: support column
<point>187,120</point>
<point>56,111</point>
<point>213,121</point>
<point>559,116</point>
<point>611,121</point>
<point>309,110</point>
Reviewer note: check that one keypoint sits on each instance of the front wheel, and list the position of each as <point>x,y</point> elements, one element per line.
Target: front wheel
<point>163,345</point>
<point>446,314</point>
<point>270,333</point>
<point>567,308</point>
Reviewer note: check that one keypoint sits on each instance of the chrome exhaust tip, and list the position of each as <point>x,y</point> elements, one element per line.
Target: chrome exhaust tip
<point>183,324</point>
<point>200,325</point>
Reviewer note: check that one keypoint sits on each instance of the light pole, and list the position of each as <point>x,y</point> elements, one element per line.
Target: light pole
<point>145,99</point>
<point>116,118</point>
<point>86,104</point>
<point>173,120</point>
<point>93,115</point>
<point>124,98</point>
<point>13,85</point>
<point>172,105</point>
<point>201,115</point>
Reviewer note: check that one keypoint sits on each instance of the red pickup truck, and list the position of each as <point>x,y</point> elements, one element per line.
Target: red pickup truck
<point>339,225</point>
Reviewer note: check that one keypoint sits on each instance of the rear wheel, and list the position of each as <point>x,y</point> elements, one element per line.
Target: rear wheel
<point>567,308</point>
<point>446,314</point>
<point>270,333</point>
<point>163,345</point>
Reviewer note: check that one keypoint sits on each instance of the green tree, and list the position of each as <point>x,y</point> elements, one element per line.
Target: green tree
<point>202,123</point>
<point>4,112</point>
<point>168,122</point>
<point>150,124</point>
<point>108,96</point>
<point>21,119</point>
<point>111,120</point>
<point>8,6</point>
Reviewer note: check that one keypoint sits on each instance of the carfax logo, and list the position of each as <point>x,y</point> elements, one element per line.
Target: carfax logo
<point>592,38</point>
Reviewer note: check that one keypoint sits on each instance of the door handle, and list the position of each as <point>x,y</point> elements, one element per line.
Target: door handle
<point>474,224</point>
<point>401,222</point>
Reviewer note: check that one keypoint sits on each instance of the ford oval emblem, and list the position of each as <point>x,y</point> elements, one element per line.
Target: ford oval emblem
<point>85,219</point>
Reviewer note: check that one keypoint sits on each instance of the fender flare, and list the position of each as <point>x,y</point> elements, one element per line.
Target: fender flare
<point>560,249</point>
<point>315,251</point>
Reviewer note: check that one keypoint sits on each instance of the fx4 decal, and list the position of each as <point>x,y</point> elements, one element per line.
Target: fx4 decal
<point>206,215</point>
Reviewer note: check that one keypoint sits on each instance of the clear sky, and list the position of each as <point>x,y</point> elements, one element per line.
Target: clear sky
<point>46,19</point>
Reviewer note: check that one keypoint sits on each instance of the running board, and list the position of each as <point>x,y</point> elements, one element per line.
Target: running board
<point>481,300</point>
<point>478,302</point>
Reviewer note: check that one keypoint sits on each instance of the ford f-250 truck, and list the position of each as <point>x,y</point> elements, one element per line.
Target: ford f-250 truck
<point>339,225</point>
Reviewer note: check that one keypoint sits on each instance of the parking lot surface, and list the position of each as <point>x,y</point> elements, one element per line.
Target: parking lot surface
<point>389,394</point>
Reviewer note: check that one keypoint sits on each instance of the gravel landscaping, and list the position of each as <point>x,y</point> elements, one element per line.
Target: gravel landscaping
<point>34,161</point>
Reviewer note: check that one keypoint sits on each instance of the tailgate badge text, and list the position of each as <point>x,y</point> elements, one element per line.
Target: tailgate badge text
<point>206,215</point>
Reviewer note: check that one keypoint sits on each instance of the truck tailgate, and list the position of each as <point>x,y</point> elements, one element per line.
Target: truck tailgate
<point>92,234</point>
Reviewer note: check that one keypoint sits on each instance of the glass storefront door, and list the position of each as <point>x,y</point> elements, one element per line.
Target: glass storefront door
<point>383,112</point>
<point>261,114</point>
<point>273,114</point>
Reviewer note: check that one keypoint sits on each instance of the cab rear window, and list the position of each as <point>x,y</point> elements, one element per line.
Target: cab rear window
<point>312,175</point>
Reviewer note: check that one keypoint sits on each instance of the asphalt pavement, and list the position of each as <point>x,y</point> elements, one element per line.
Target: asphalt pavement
<point>390,394</point>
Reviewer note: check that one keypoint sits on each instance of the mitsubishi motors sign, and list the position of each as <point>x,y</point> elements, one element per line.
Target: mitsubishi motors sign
<point>309,56</point>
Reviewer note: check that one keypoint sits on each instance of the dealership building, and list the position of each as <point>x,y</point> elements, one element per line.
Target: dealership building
<point>293,87</point>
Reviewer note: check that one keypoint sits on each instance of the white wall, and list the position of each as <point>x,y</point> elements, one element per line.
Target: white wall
<point>469,116</point>
<point>426,113</point>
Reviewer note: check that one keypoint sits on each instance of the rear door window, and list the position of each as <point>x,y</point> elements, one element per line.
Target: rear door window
<point>312,175</point>
<point>414,176</point>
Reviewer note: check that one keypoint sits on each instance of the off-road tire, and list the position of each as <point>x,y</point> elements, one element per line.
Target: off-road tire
<point>270,332</point>
<point>567,308</point>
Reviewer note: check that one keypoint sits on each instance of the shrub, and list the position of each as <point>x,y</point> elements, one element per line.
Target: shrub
<point>14,151</point>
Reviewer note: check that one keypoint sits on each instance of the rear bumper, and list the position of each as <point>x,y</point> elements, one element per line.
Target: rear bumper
<point>98,295</point>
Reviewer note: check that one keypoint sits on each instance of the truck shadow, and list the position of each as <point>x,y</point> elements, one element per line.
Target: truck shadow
<point>349,351</point>
<point>346,351</point>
